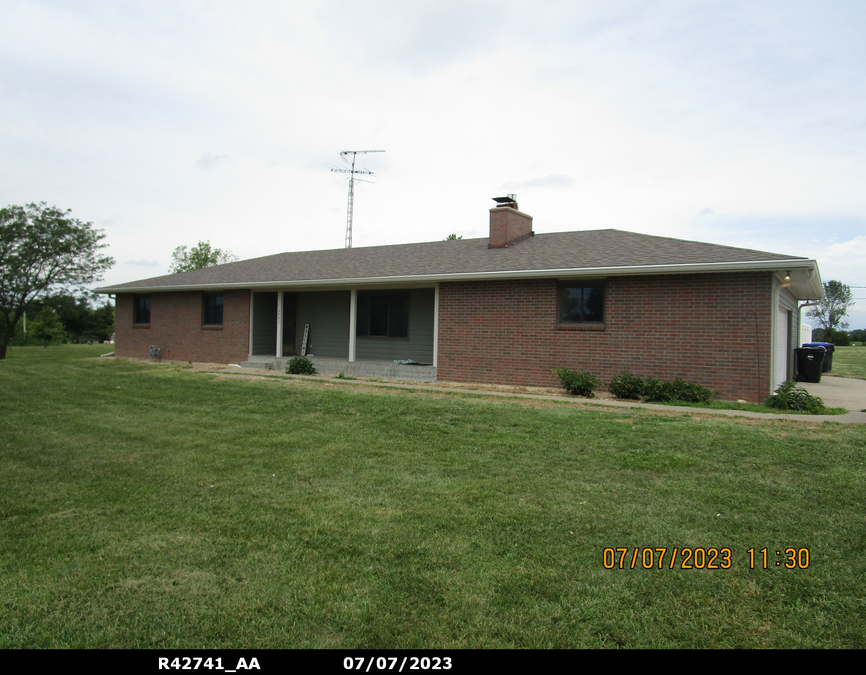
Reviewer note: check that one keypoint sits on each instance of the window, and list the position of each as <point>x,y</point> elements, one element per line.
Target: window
<point>212,309</point>
<point>141,309</point>
<point>581,302</point>
<point>383,315</point>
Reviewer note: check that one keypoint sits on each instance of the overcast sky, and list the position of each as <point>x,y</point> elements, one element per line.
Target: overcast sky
<point>169,122</point>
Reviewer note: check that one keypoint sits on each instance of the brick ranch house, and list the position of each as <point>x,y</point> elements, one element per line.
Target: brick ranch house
<point>505,309</point>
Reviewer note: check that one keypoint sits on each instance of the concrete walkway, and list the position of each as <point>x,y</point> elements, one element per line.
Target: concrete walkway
<point>839,392</point>
<point>849,391</point>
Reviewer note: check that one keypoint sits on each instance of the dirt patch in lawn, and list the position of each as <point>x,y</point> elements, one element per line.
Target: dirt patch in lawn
<point>226,371</point>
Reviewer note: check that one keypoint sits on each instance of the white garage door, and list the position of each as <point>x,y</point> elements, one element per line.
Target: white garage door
<point>783,345</point>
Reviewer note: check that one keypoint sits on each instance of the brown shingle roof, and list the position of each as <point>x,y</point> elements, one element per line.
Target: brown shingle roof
<point>582,251</point>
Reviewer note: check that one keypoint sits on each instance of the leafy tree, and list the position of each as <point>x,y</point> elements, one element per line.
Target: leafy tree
<point>99,324</point>
<point>81,321</point>
<point>840,338</point>
<point>72,312</point>
<point>42,251</point>
<point>201,255</point>
<point>47,327</point>
<point>452,237</point>
<point>833,307</point>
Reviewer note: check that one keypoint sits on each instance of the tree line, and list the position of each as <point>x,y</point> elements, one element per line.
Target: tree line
<point>840,338</point>
<point>62,319</point>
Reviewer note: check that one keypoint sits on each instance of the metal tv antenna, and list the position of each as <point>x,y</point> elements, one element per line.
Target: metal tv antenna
<point>352,173</point>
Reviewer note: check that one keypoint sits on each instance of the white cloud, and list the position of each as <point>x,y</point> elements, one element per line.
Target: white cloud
<point>551,181</point>
<point>208,161</point>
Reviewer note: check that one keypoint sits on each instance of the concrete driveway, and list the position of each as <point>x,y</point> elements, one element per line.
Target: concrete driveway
<point>839,392</point>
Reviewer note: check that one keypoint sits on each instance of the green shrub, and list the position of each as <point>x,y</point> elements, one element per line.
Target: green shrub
<point>690,392</point>
<point>626,386</point>
<point>578,383</point>
<point>655,390</point>
<point>789,397</point>
<point>300,365</point>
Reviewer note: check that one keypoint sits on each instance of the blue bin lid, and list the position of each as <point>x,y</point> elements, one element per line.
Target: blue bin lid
<point>818,344</point>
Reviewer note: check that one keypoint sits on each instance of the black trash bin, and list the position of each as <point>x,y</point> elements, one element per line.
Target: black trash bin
<point>810,360</point>
<point>828,355</point>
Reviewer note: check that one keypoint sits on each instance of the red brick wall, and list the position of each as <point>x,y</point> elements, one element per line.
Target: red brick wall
<point>713,329</point>
<point>175,326</point>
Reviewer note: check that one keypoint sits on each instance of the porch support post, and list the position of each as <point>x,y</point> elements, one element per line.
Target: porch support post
<point>252,302</point>
<point>280,324</point>
<point>436,326</point>
<point>353,320</point>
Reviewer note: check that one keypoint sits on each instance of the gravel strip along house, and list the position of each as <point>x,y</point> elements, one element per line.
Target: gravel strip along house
<point>505,309</point>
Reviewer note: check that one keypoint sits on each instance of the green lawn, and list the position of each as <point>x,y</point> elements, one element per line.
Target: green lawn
<point>154,506</point>
<point>849,362</point>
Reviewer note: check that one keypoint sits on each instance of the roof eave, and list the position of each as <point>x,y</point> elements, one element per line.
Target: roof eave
<point>586,272</point>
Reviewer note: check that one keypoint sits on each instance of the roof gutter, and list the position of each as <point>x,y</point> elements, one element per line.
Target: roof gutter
<point>559,273</point>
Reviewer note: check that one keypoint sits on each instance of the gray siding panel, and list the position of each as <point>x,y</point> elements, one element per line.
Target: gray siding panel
<point>419,344</point>
<point>265,324</point>
<point>327,312</point>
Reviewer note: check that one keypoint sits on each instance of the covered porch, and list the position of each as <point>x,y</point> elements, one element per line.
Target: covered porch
<point>358,331</point>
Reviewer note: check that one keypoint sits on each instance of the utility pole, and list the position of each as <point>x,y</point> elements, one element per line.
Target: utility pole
<point>352,173</point>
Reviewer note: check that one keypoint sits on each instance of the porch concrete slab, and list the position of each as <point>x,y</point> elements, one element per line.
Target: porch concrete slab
<point>383,370</point>
<point>839,392</point>
<point>259,362</point>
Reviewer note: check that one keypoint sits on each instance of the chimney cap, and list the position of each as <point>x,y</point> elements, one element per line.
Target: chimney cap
<point>508,200</point>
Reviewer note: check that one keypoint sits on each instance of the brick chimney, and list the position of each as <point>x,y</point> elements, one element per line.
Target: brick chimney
<point>508,225</point>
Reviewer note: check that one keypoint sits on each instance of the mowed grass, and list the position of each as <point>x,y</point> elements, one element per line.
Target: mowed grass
<point>151,506</point>
<point>849,362</point>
